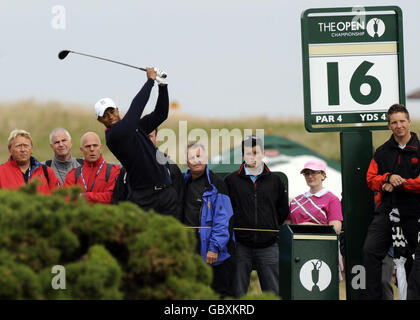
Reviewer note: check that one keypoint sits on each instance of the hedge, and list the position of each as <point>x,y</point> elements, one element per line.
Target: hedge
<point>108,252</point>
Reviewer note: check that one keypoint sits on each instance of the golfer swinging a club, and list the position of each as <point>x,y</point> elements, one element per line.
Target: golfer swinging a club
<point>128,140</point>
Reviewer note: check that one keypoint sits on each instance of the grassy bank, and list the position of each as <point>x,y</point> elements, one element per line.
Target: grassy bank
<point>40,119</point>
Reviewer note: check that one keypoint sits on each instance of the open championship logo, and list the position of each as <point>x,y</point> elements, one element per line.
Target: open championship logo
<point>375,27</point>
<point>315,275</point>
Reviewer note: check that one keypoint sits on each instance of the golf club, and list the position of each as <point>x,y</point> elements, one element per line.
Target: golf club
<point>64,53</point>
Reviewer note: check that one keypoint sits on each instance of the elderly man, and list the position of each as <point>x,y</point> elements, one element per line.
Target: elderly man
<point>127,138</point>
<point>63,161</point>
<point>95,176</point>
<point>23,168</point>
<point>208,208</point>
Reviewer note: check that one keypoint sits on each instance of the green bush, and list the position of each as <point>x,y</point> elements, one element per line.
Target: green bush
<point>109,252</point>
<point>96,276</point>
<point>17,281</point>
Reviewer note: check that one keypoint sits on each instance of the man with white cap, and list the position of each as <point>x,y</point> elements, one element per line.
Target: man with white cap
<point>128,140</point>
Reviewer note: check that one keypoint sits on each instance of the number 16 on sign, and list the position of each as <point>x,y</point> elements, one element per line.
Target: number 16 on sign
<point>353,71</point>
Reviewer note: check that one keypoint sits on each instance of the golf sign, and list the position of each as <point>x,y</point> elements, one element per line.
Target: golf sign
<point>353,68</point>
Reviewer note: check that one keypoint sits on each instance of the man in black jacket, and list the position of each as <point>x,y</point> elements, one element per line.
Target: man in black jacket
<point>260,205</point>
<point>394,174</point>
<point>128,140</point>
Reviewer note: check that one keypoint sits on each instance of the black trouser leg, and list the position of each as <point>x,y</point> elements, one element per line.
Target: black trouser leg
<point>223,278</point>
<point>377,243</point>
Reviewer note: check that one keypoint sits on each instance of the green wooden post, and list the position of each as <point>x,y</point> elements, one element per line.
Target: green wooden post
<point>358,205</point>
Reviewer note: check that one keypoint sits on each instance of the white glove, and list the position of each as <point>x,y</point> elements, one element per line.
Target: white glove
<point>160,79</point>
<point>160,73</point>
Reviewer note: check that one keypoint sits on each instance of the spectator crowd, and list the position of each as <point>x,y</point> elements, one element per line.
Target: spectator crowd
<point>236,218</point>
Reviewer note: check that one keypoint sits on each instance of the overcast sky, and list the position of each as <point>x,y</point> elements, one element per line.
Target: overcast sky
<point>223,57</point>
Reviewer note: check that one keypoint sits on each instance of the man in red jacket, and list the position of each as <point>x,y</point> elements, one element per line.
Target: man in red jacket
<point>96,177</point>
<point>394,173</point>
<point>23,168</point>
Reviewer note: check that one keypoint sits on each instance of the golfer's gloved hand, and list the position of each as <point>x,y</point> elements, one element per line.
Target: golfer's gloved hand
<point>159,76</point>
<point>160,72</point>
<point>160,80</point>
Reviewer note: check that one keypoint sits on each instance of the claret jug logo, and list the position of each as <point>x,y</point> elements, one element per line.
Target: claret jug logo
<point>315,275</point>
<point>375,27</point>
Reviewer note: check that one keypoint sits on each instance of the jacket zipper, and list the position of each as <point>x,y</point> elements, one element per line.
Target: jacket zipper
<point>201,213</point>
<point>199,224</point>
<point>256,210</point>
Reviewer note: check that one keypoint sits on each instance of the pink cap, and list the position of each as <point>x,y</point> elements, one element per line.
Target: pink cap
<point>315,165</point>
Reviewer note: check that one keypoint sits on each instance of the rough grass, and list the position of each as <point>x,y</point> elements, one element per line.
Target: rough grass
<point>41,119</point>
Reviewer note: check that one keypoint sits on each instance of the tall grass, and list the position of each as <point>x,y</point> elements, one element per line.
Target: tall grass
<point>40,119</point>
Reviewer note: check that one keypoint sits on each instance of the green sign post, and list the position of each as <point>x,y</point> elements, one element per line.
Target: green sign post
<point>353,71</point>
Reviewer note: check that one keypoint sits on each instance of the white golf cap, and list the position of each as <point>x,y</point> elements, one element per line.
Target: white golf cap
<point>102,105</point>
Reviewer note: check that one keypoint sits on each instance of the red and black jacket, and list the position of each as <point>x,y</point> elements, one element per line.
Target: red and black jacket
<point>11,176</point>
<point>99,188</point>
<point>262,205</point>
<point>391,159</point>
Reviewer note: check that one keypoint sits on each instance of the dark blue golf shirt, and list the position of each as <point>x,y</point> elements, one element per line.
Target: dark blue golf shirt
<point>129,142</point>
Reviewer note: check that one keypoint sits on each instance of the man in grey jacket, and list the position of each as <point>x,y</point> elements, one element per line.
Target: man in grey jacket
<point>63,161</point>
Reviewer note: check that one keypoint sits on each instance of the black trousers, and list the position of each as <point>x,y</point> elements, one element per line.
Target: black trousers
<point>163,201</point>
<point>223,278</point>
<point>377,243</point>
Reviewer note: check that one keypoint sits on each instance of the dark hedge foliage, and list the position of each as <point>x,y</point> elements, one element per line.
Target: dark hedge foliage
<point>109,252</point>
